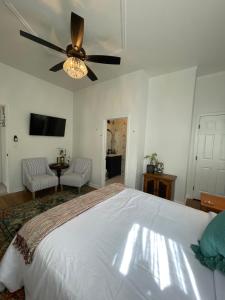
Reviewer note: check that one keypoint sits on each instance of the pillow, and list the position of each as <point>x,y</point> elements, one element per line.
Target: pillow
<point>211,249</point>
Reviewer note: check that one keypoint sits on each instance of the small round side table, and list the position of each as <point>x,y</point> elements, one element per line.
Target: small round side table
<point>58,168</point>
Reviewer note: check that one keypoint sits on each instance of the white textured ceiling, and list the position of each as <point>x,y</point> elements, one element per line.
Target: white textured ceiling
<point>156,35</point>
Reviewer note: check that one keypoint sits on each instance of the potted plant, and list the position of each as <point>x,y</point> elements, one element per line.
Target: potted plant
<point>152,162</point>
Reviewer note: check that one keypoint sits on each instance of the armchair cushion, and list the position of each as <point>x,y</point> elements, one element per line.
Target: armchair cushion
<point>72,180</point>
<point>37,175</point>
<point>78,174</point>
<point>41,182</point>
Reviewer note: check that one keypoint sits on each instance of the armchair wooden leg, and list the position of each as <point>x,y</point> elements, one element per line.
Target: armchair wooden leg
<point>33,195</point>
<point>55,188</point>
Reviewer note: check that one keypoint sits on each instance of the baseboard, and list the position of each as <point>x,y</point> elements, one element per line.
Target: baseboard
<point>17,189</point>
<point>180,202</point>
<point>94,185</point>
<point>188,196</point>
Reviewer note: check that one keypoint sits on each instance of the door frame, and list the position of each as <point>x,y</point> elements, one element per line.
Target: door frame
<point>5,138</point>
<point>104,143</point>
<point>196,144</point>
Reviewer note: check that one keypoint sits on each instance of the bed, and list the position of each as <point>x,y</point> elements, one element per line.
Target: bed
<point>132,246</point>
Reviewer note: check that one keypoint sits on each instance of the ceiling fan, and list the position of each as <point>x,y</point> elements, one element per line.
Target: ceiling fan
<point>75,65</point>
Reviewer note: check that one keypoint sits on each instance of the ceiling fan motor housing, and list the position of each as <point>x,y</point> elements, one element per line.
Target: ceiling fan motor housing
<point>71,52</point>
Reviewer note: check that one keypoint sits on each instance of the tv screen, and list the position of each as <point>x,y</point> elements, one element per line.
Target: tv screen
<point>46,125</point>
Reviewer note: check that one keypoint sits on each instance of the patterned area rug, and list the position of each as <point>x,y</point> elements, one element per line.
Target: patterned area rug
<point>13,218</point>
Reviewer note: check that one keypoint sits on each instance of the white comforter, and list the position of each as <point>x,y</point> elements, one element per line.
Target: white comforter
<point>133,246</point>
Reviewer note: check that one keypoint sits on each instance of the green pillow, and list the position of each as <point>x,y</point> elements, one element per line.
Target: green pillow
<point>211,249</point>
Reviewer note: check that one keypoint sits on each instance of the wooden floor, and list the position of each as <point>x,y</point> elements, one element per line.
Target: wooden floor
<point>12,199</point>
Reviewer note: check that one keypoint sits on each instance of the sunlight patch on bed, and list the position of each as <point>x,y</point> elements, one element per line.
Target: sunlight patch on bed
<point>163,258</point>
<point>177,260</point>
<point>191,276</point>
<point>159,260</point>
<point>128,251</point>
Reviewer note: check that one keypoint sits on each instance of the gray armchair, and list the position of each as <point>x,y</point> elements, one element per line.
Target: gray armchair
<point>78,174</point>
<point>37,175</point>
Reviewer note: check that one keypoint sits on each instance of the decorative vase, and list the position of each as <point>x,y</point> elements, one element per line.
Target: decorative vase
<point>150,168</point>
<point>62,160</point>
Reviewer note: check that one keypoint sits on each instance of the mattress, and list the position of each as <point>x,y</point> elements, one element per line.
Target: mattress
<point>133,246</point>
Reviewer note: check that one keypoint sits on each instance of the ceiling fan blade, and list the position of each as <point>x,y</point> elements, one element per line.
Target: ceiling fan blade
<point>57,67</point>
<point>77,31</point>
<point>41,41</point>
<point>104,59</point>
<point>91,75</point>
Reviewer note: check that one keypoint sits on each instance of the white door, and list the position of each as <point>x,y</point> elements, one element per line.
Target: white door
<point>210,158</point>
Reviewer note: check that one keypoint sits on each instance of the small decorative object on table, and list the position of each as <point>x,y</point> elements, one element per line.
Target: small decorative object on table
<point>61,159</point>
<point>159,167</point>
<point>152,162</point>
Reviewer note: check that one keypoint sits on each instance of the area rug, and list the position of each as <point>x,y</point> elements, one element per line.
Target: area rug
<point>13,218</point>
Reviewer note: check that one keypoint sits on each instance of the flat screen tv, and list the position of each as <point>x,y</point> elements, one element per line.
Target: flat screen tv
<point>46,125</point>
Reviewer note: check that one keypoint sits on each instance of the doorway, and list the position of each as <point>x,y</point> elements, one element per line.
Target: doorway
<point>116,145</point>
<point>210,158</point>
<point>3,154</point>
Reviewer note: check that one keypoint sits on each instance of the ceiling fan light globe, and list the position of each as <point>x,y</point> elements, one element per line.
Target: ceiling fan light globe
<point>75,68</point>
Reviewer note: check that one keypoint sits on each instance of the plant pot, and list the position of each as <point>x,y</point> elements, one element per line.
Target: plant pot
<point>150,168</point>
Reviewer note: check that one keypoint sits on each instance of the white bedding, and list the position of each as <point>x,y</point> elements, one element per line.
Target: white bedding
<point>133,246</point>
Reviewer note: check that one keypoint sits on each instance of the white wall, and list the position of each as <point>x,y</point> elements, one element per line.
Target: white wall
<point>4,162</point>
<point>4,166</point>
<point>209,99</point>
<point>166,102</point>
<point>121,97</point>
<point>1,146</point>
<point>23,94</point>
<point>169,121</point>
<point>210,94</point>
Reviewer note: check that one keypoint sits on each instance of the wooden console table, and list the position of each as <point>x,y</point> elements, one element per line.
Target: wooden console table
<point>162,185</point>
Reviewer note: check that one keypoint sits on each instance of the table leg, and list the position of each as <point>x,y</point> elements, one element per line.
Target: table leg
<point>59,174</point>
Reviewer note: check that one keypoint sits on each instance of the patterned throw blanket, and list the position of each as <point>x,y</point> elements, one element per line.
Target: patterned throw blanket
<point>34,231</point>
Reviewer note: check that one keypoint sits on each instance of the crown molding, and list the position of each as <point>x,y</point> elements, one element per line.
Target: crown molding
<point>123,3</point>
<point>123,19</point>
<point>8,4</point>
<point>17,14</point>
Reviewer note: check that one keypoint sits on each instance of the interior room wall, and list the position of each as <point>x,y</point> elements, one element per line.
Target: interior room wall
<point>23,94</point>
<point>0,153</point>
<point>209,99</point>
<point>124,96</point>
<point>169,122</point>
<point>3,162</point>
